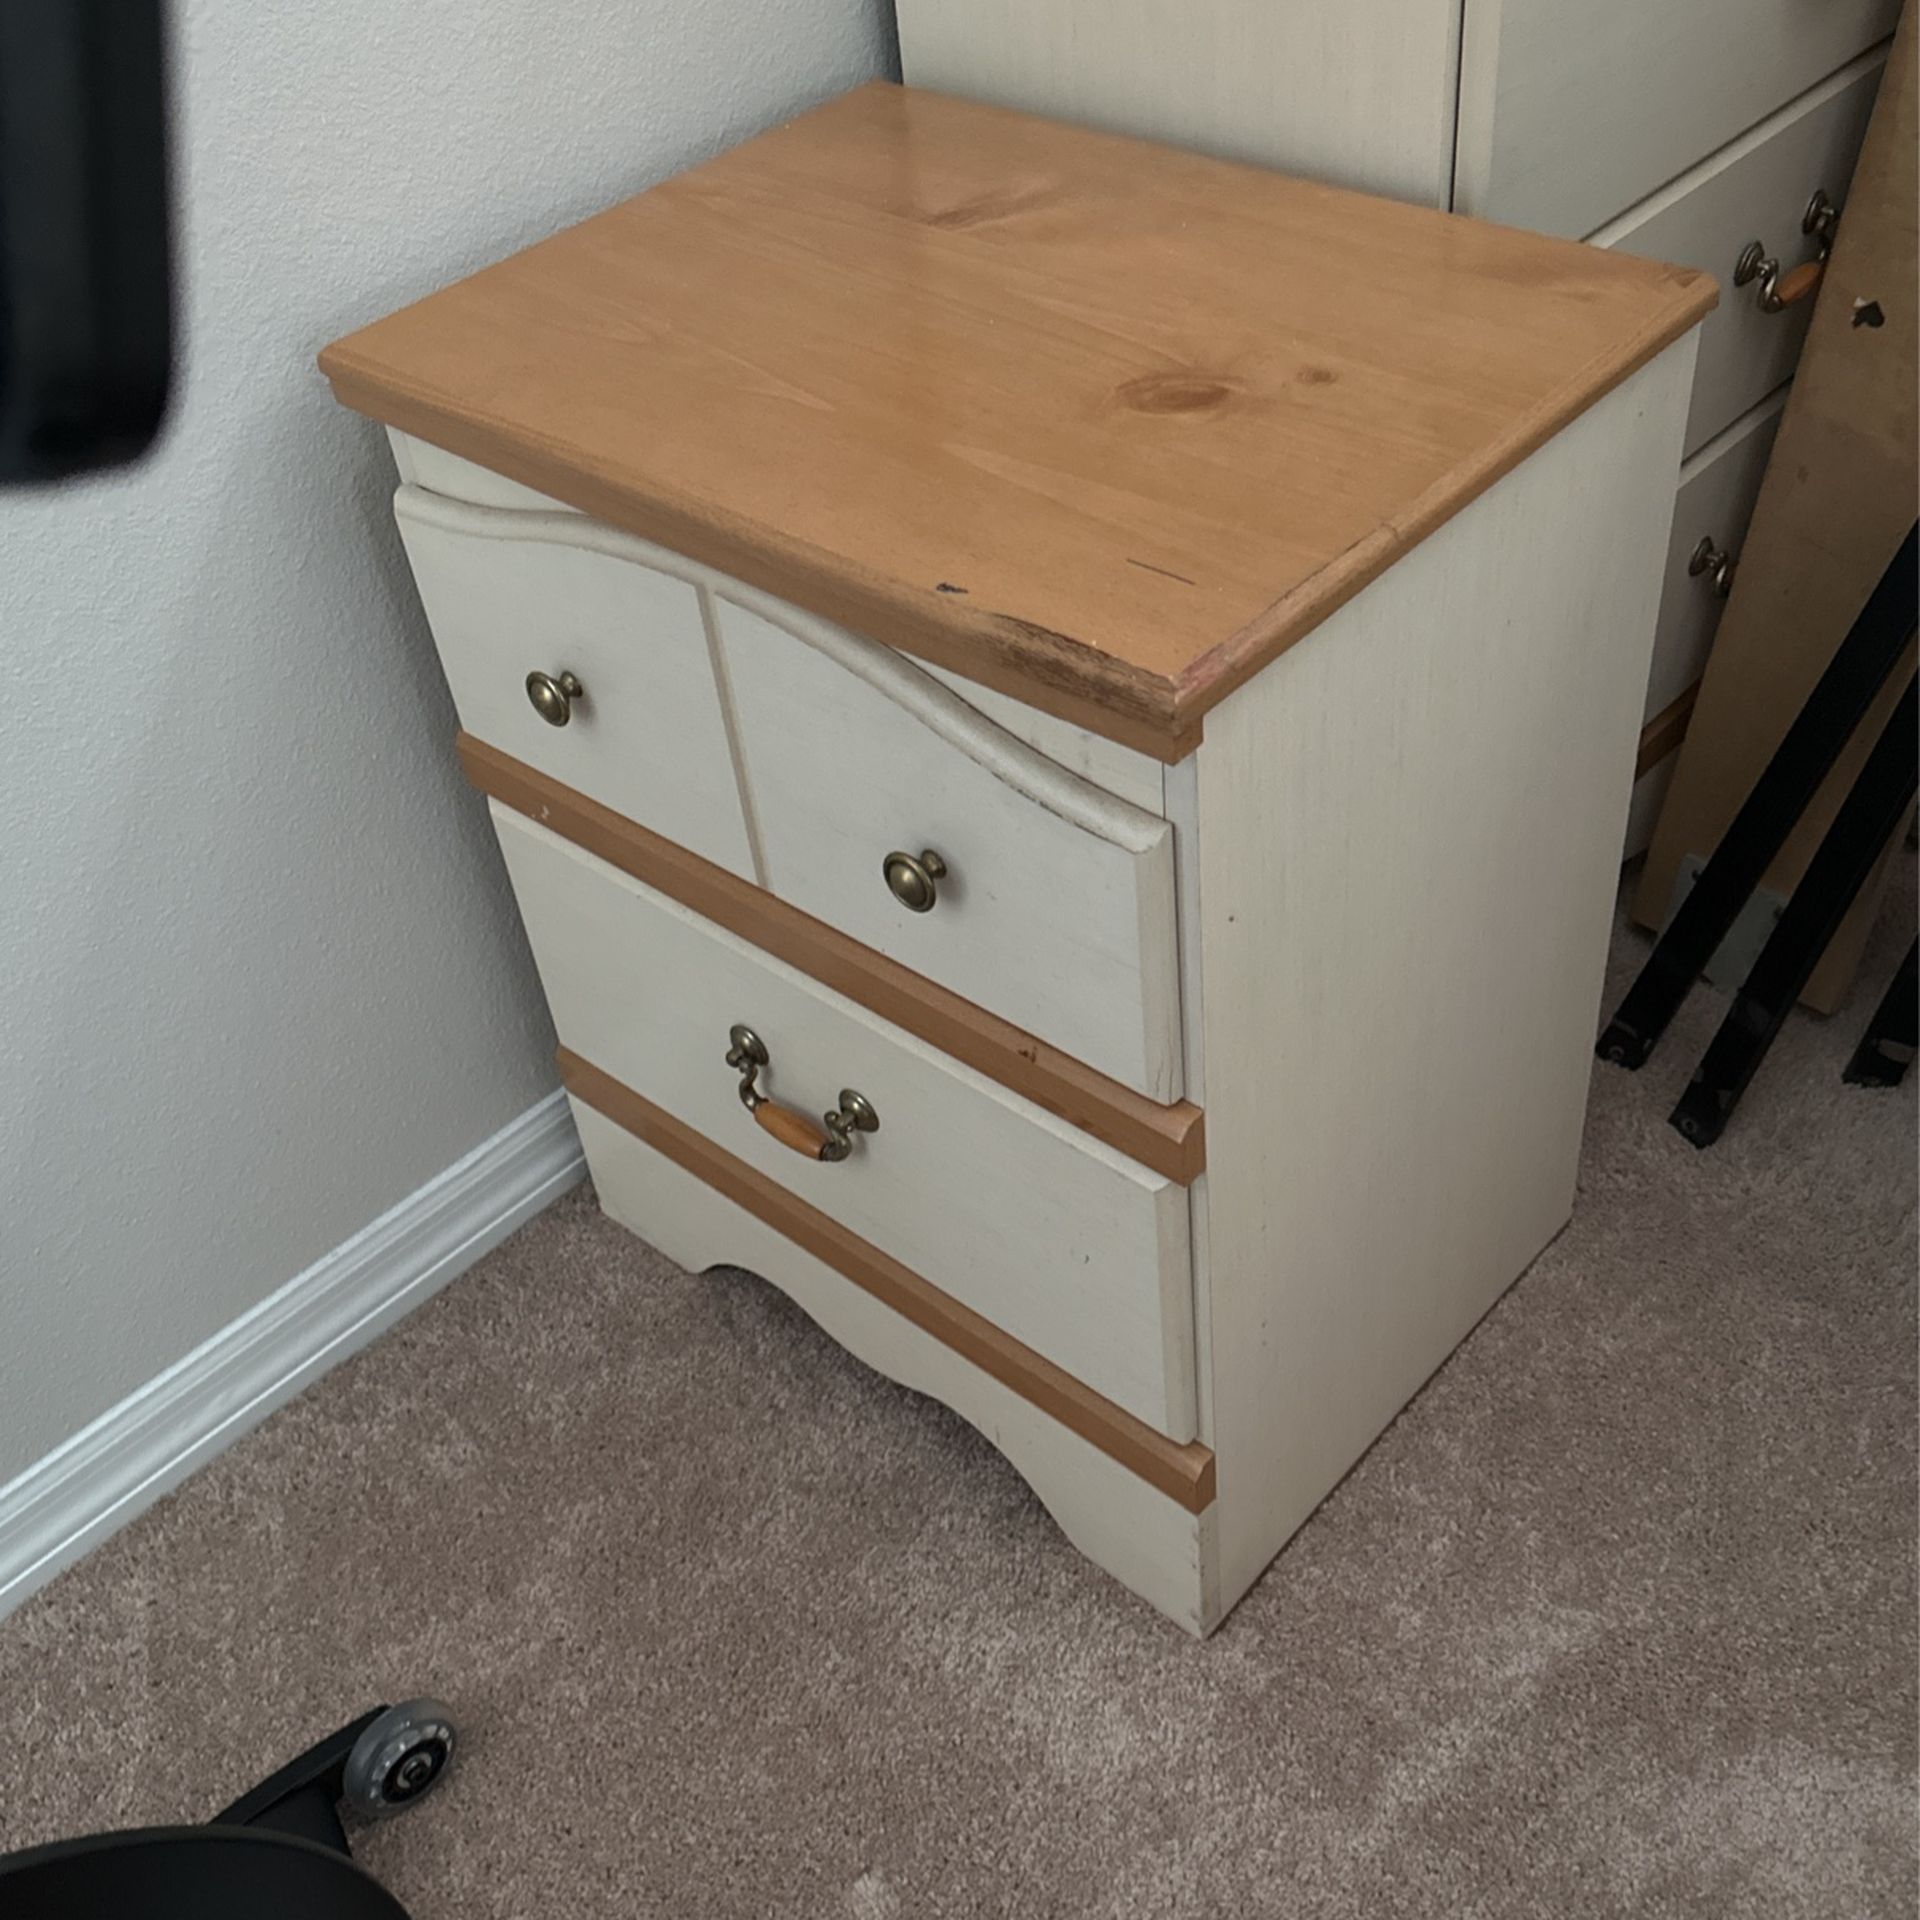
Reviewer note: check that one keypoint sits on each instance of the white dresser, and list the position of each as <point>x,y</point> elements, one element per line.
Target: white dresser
<point>1014,672</point>
<point>1683,130</point>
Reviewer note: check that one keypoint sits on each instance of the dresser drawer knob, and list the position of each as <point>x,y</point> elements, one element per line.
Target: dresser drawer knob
<point>912,881</point>
<point>1821,220</point>
<point>1715,562</point>
<point>831,1140</point>
<point>553,696</point>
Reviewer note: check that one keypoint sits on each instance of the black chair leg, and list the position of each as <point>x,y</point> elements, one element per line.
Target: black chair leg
<point>1780,796</point>
<point>303,1798</point>
<point>1839,869</point>
<point>1887,1047</point>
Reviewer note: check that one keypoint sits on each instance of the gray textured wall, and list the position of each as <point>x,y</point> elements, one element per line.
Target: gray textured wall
<point>260,976</point>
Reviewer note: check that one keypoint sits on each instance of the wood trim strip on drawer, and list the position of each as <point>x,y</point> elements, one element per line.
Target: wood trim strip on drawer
<point>1664,732</point>
<point>1169,1139</point>
<point>1184,1473</point>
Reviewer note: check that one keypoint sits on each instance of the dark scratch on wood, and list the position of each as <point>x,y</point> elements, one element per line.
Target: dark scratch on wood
<point>1147,566</point>
<point>947,586</point>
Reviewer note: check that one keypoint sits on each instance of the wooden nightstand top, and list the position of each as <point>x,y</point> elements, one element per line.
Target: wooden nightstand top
<point>1098,423</point>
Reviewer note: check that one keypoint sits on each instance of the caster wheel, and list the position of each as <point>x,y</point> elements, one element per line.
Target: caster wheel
<point>399,1759</point>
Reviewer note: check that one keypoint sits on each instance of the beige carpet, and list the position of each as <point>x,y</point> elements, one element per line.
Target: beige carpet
<point>1619,1618</point>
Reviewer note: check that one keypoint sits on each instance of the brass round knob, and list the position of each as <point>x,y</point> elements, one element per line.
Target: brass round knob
<point>553,696</point>
<point>911,881</point>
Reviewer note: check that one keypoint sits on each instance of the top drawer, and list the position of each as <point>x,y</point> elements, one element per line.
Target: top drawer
<point>1571,112</point>
<point>893,810</point>
<point>511,594</point>
<point>1759,188</point>
<point>821,765</point>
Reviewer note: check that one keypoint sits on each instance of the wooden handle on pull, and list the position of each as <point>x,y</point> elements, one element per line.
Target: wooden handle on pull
<point>1799,283</point>
<point>791,1129</point>
<point>830,1138</point>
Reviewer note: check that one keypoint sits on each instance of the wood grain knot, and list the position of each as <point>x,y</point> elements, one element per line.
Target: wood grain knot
<point>1176,393</point>
<point>982,209</point>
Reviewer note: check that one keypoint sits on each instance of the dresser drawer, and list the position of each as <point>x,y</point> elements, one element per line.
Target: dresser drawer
<point>511,593</point>
<point>1756,189</point>
<point>1718,487</point>
<point>1055,906</point>
<point>1570,113</point>
<point>1073,1249</point>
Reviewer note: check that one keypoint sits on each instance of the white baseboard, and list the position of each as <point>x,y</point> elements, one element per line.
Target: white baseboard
<point>119,1466</point>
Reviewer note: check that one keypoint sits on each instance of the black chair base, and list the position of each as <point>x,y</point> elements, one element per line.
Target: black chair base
<point>191,1873</point>
<point>279,1850</point>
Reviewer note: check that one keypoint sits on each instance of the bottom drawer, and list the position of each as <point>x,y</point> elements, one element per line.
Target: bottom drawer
<point>1072,1248</point>
<point>1717,491</point>
<point>1643,811</point>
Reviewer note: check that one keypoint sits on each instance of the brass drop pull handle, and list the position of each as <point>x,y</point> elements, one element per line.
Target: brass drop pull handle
<point>831,1140</point>
<point>1779,291</point>
<point>1715,562</point>
<point>913,882</point>
<point>553,696</point>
